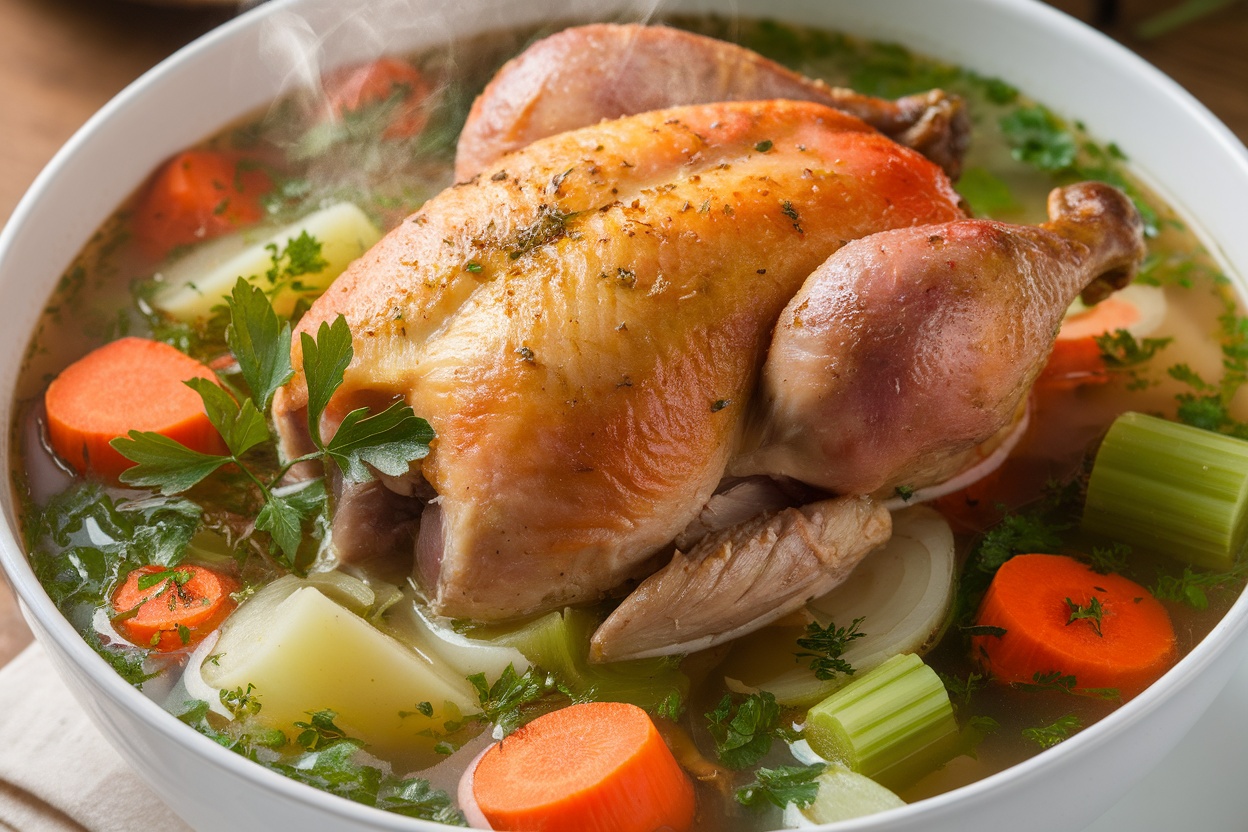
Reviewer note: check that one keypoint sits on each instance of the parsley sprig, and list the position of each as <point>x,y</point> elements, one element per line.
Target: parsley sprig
<point>783,785</point>
<point>503,702</point>
<point>331,762</point>
<point>1091,612</point>
<point>743,732</point>
<point>824,646</point>
<point>261,342</point>
<point>1192,587</point>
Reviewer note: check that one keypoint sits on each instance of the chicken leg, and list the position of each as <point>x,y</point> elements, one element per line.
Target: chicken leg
<point>909,347</point>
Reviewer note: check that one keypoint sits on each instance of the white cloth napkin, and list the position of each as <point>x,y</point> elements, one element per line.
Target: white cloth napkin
<point>57,773</point>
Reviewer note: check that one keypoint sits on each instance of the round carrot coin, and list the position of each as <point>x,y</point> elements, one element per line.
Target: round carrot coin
<point>1060,616</point>
<point>594,767</point>
<point>130,384</point>
<point>168,608</point>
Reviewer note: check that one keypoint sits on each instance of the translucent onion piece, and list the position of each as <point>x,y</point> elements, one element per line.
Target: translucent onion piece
<point>903,592</point>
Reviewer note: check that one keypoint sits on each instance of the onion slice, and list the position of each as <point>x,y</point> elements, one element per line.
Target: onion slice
<point>467,797</point>
<point>903,592</point>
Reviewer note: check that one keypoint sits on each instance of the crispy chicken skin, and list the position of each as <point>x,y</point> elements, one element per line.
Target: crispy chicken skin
<point>586,74</point>
<point>584,323</point>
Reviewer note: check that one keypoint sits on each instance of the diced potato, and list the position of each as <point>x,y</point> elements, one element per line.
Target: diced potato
<point>305,653</point>
<point>204,278</point>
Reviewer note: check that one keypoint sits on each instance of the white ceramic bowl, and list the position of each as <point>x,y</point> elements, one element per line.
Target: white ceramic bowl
<point>1194,160</point>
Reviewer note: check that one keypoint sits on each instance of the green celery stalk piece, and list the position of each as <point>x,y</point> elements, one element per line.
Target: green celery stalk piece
<point>1171,489</point>
<point>558,642</point>
<point>894,724</point>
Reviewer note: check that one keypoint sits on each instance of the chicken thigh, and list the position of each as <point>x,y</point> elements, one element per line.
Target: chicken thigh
<point>583,325</point>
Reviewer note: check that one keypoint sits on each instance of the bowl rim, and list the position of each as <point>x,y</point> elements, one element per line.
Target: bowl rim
<point>36,604</point>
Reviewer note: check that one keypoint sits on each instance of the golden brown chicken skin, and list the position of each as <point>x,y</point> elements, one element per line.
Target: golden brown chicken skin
<point>583,325</point>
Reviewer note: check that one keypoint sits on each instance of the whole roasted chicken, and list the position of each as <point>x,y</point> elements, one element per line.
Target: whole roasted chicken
<point>605,323</point>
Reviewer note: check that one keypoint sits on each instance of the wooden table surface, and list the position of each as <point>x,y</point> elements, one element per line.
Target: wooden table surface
<point>60,60</point>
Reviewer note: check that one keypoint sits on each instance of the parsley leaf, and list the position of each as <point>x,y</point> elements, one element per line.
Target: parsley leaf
<point>743,734</point>
<point>126,662</point>
<point>1092,612</point>
<point>783,785</point>
<point>241,703</point>
<point>320,732</point>
<point>825,646</point>
<point>501,702</point>
<point>284,524</point>
<point>1037,138</point>
<point>1050,735</point>
<point>260,342</point>
<point>325,359</point>
<point>163,463</point>
<point>301,255</point>
<point>83,544</point>
<point>242,427</point>
<point>1192,587</point>
<point>388,441</point>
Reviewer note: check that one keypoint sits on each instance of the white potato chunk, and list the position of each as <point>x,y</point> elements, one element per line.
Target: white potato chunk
<point>205,277</point>
<point>305,653</point>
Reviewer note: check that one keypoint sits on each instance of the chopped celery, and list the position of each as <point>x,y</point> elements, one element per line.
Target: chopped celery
<point>894,724</point>
<point>559,642</point>
<point>843,794</point>
<point>1171,489</point>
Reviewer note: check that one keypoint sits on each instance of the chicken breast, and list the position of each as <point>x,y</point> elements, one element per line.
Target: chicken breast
<point>583,326</point>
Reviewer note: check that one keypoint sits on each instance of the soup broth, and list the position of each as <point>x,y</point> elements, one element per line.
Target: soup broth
<point>84,535</point>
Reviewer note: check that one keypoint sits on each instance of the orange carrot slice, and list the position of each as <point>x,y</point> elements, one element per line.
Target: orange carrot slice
<point>171,608</point>
<point>1076,359</point>
<point>599,765</point>
<point>1073,363</point>
<point>353,88</point>
<point>131,384</point>
<point>198,195</point>
<point>1047,605</point>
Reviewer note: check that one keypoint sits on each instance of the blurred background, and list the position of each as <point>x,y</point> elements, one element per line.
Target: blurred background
<point>61,60</point>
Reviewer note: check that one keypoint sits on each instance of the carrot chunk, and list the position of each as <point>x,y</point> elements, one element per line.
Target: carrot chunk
<point>1060,615</point>
<point>354,88</point>
<point>131,384</point>
<point>596,766</point>
<point>168,608</point>
<point>198,195</point>
<point>1074,362</point>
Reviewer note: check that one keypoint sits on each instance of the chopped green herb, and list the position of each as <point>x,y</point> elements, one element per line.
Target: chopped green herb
<point>1092,612</point>
<point>502,702</point>
<point>782,785</point>
<point>764,146</point>
<point>321,732</point>
<point>1192,587</point>
<point>1050,735</point>
<point>241,703</point>
<point>824,646</point>
<point>743,733</point>
<point>1038,138</point>
<point>1064,683</point>
<point>1110,559</point>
